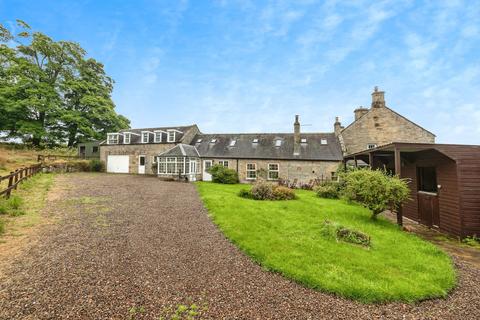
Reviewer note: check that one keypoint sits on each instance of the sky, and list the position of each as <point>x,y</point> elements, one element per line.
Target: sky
<point>250,66</point>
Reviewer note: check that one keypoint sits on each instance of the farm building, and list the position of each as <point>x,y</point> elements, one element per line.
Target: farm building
<point>444,182</point>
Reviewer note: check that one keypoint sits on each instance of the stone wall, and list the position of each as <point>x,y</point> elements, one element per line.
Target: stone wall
<point>381,126</point>
<point>303,171</point>
<point>135,150</point>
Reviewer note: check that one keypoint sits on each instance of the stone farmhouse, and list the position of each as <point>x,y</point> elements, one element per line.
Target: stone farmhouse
<point>187,153</point>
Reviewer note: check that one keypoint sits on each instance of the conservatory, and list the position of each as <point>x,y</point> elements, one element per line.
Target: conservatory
<point>179,162</point>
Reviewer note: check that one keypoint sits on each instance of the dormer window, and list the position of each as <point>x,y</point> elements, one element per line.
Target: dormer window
<point>232,142</point>
<point>112,138</point>
<point>278,143</point>
<point>303,140</point>
<point>323,141</point>
<point>213,140</point>
<point>145,137</point>
<point>199,140</point>
<point>255,140</point>
<point>157,137</point>
<point>171,136</point>
<point>127,137</point>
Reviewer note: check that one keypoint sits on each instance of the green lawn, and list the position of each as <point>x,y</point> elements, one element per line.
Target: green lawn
<point>285,236</point>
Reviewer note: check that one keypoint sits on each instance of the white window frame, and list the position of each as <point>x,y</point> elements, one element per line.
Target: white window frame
<point>255,140</point>
<point>109,140</point>
<point>304,140</point>
<point>223,163</point>
<point>232,142</point>
<point>148,137</point>
<point>125,135</point>
<point>159,133</point>
<point>371,146</point>
<point>273,170</point>
<point>323,141</point>
<point>278,142</point>
<point>169,139</point>
<point>254,170</point>
<point>213,141</point>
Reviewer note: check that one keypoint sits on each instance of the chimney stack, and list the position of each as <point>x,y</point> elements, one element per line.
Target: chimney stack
<point>378,98</point>
<point>296,137</point>
<point>360,111</point>
<point>337,126</point>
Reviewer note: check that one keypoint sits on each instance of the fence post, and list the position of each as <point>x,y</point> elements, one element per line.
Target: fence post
<point>16,178</point>
<point>10,183</point>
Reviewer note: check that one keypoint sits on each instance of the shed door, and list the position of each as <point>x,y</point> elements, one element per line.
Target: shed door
<point>117,163</point>
<point>428,210</point>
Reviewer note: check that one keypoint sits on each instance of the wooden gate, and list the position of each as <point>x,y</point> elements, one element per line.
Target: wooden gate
<point>428,212</point>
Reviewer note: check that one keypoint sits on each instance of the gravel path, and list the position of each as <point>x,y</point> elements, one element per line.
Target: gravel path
<point>129,241</point>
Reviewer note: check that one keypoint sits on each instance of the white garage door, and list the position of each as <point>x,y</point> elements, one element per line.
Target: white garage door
<point>117,164</point>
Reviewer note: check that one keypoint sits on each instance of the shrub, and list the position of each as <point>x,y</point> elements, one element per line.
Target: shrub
<point>96,165</point>
<point>220,174</point>
<point>3,208</point>
<point>329,190</point>
<point>375,190</point>
<point>262,191</point>
<point>244,193</point>
<point>283,193</point>
<point>266,191</point>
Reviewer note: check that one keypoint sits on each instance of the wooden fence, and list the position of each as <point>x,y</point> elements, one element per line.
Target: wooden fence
<point>19,175</point>
<point>53,157</point>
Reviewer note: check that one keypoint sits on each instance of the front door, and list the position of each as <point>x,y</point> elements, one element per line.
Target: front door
<point>193,170</point>
<point>141,164</point>
<point>207,164</point>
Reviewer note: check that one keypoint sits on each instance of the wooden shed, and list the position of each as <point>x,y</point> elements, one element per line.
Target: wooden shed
<point>444,182</point>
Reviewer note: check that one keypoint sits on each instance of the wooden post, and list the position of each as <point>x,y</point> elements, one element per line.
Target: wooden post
<point>10,183</point>
<point>398,172</point>
<point>16,178</point>
<point>370,159</point>
<point>356,163</point>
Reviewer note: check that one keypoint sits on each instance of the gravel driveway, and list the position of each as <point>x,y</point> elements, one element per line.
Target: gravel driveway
<point>132,247</point>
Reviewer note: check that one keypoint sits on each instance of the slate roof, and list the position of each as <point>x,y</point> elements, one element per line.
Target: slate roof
<point>181,150</point>
<point>244,147</point>
<point>136,138</point>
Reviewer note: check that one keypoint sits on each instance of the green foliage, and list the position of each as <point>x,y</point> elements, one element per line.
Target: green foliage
<point>329,190</point>
<point>472,241</point>
<point>285,237</point>
<point>12,206</point>
<point>97,165</point>
<point>51,93</point>
<point>375,190</point>
<point>183,312</point>
<point>2,226</point>
<point>267,191</point>
<point>220,174</point>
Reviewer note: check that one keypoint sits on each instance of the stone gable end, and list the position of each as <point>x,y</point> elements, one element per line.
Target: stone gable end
<point>382,126</point>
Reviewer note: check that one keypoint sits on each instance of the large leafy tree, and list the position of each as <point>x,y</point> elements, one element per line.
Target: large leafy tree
<point>50,93</point>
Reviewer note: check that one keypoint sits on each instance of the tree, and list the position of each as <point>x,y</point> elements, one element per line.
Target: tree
<point>375,190</point>
<point>50,93</point>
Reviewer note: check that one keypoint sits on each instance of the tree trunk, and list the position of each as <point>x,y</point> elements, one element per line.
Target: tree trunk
<point>72,135</point>
<point>37,139</point>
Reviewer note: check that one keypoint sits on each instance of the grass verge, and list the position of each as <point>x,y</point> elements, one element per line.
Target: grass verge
<point>23,208</point>
<point>287,237</point>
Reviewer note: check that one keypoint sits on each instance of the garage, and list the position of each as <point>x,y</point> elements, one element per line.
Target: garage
<point>117,163</point>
